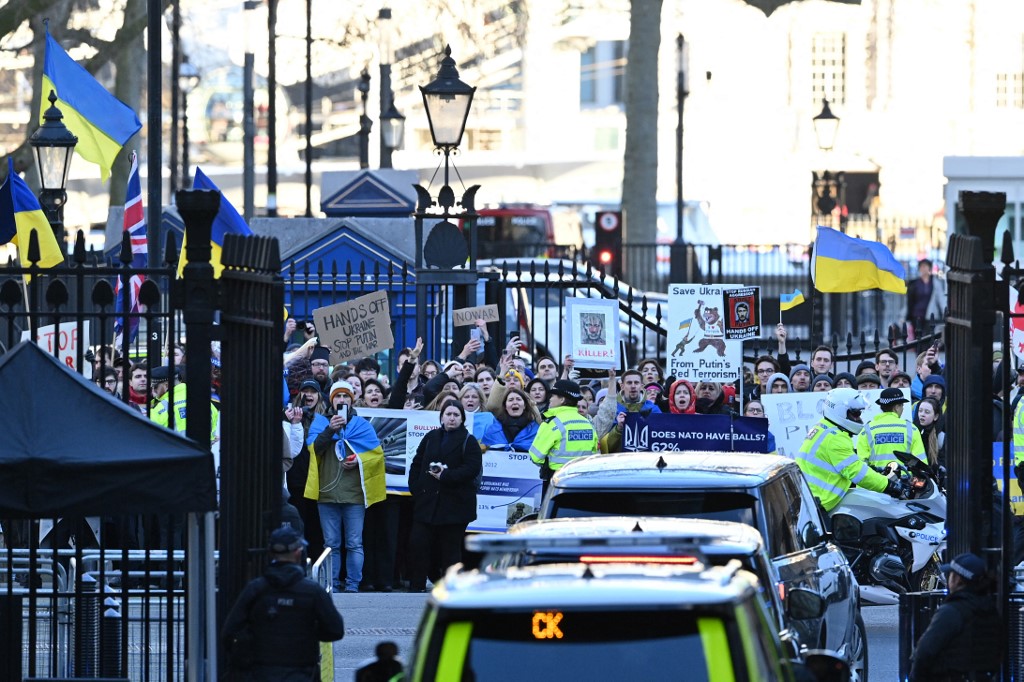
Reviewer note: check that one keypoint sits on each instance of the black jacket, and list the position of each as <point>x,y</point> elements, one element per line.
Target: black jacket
<point>452,498</point>
<point>288,614</point>
<point>963,637</point>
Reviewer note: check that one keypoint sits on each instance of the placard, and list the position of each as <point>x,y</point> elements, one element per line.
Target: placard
<point>698,349</point>
<point>465,317</point>
<point>743,313</point>
<point>67,340</point>
<point>592,332</point>
<point>702,432</point>
<point>791,415</point>
<point>355,328</point>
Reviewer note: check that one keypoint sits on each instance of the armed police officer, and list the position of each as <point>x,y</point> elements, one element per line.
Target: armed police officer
<point>827,459</point>
<point>889,432</point>
<point>274,630</point>
<point>564,435</point>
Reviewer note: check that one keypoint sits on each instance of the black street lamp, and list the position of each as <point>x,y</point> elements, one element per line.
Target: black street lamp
<point>365,124</point>
<point>54,144</point>
<point>447,101</point>
<point>385,28</point>
<point>824,191</point>
<point>392,133</point>
<point>680,270</point>
<point>188,80</point>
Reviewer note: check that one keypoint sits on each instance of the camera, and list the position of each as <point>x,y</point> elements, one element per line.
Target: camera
<point>436,467</point>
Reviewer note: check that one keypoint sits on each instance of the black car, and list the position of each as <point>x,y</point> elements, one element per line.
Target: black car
<point>763,491</point>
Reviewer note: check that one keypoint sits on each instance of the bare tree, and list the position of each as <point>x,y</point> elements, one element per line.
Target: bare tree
<point>640,166</point>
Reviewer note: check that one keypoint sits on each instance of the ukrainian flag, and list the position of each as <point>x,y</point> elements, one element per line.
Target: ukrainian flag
<point>102,122</point>
<point>790,301</point>
<point>685,324</point>
<point>20,213</point>
<point>228,220</point>
<point>845,264</point>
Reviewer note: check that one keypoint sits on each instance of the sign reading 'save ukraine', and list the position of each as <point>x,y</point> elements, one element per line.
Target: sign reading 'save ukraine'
<point>705,432</point>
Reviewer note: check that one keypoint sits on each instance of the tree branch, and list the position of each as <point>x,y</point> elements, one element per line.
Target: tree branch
<point>14,14</point>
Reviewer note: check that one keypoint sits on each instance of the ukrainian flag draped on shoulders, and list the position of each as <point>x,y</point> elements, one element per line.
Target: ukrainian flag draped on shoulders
<point>102,123</point>
<point>20,214</point>
<point>357,437</point>
<point>845,264</point>
<point>227,221</point>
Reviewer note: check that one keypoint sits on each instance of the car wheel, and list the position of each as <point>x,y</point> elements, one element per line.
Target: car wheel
<point>859,660</point>
<point>929,578</point>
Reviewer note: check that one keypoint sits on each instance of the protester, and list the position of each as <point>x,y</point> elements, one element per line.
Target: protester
<point>868,382</point>
<point>846,380</point>
<point>822,383</point>
<point>138,387</point>
<point>485,377</point>
<point>754,408</point>
<point>373,394</point>
<point>682,397</point>
<point>517,421</point>
<point>926,299</point>
<point>319,363</point>
<point>443,483</point>
<point>650,371</point>
<point>711,398</point>
<point>547,370</point>
<point>779,383</point>
<point>926,421</point>
<point>273,631</point>
<point>887,363</point>
<point>349,478</point>
<point>800,378</point>
<point>537,389</point>
<point>471,396</point>
<point>822,360</point>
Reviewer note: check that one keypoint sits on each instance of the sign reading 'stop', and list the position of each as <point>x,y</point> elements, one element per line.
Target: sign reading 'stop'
<point>355,328</point>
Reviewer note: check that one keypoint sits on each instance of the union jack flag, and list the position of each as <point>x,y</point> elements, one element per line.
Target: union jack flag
<point>135,225</point>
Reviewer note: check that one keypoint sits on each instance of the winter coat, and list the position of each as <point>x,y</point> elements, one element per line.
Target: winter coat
<point>963,637</point>
<point>497,439</point>
<point>450,499</point>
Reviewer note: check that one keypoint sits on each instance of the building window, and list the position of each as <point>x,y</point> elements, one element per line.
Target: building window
<point>1010,90</point>
<point>828,68</point>
<point>603,74</point>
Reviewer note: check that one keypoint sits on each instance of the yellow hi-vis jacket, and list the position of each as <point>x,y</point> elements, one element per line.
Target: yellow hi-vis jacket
<point>175,400</point>
<point>563,436</point>
<point>830,465</point>
<point>1018,433</point>
<point>888,433</point>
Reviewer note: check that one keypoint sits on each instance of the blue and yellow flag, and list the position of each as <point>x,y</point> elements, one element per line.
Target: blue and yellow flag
<point>790,301</point>
<point>844,264</point>
<point>20,213</point>
<point>102,122</point>
<point>227,221</point>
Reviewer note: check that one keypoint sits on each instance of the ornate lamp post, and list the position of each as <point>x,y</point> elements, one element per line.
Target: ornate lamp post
<point>54,144</point>
<point>823,193</point>
<point>188,80</point>
<point>679,269</point>
<point>447,101</point>
<point>392,133</point>
<point>385,29</point>
<point>365,124</point>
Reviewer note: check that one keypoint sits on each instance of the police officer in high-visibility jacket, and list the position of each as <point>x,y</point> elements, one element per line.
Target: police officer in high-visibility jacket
<point>889,432</point>
<point>1018,469</point>
<point>826,457</point>
<point>565,434</point>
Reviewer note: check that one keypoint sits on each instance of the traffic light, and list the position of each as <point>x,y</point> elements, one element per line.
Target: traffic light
<point>607,253</point>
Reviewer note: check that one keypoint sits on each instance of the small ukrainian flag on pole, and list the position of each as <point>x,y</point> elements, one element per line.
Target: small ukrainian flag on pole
<point>790,301</point>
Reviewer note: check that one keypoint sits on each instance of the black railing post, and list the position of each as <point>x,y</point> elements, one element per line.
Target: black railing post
<point>969,335</point>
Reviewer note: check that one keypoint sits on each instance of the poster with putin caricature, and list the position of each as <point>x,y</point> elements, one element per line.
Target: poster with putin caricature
<point>698,347</point>
<point>592,332</point>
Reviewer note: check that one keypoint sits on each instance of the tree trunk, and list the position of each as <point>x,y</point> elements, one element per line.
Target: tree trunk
<point>129,87</point>
<point>640,167</point>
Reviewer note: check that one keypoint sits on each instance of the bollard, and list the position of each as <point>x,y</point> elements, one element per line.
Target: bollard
<point>87,626</point>
<point>110,640</point>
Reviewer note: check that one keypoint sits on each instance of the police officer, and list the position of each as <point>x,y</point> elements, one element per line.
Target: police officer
<point>274,629</point>
<point>963,640</point>
<point>1018,470</point>
<point>564,435</point>
<point>889,432</point>
<point>826,457</point>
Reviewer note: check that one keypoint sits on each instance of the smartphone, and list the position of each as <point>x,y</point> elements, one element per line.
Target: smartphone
<point>343,411</point>
<point>288,406</point>
<point>474,334</point>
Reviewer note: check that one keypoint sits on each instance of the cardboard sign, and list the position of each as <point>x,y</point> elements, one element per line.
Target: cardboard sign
<point>703,432</point>
<point>698,349</point>
<point>791,415</point>
<point>743,313</point>
<point>67,341</point>
<point>355,328</point>
<point>592,332</point>
<point>465,317</point>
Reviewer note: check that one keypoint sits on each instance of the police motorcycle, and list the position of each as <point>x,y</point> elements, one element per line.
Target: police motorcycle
<point>894,545</point>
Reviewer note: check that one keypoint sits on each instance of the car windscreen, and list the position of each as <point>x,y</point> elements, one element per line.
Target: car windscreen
<point>593,645</point>
<point>694,504</point>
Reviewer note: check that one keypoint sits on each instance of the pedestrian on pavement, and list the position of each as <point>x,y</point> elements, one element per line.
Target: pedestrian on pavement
<point>273,631</point>
<point>964,639</point>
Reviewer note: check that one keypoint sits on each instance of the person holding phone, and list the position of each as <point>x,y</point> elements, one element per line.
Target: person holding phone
<point>443,480</point>
<point>346,477</point>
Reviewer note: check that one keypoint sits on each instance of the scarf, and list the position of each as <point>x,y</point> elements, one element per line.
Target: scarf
<point>511,426</point>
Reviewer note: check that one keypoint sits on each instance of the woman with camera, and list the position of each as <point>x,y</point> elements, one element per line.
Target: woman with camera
<point>443,480</point>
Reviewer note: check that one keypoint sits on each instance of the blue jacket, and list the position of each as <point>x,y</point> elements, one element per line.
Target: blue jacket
<point>481,423</point>
<point>495,438</point>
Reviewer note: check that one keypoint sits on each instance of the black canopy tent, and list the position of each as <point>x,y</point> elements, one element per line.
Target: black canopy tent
<point>68,448</point>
